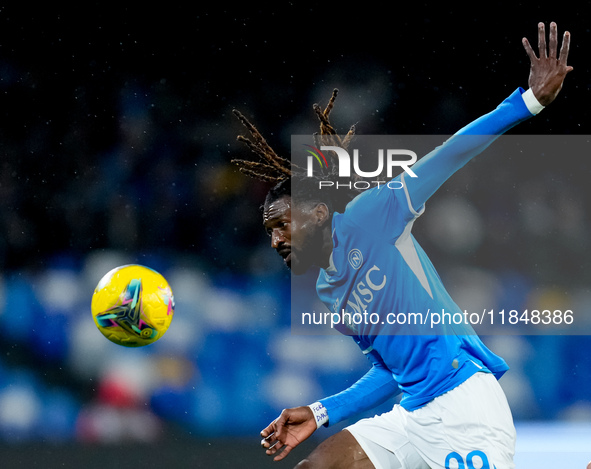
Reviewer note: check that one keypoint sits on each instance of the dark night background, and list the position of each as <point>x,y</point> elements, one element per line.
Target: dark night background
<point>83,83</point>
<point>116,134</point>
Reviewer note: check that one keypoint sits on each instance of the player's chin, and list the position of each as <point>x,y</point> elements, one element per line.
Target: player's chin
<point>296,265</point>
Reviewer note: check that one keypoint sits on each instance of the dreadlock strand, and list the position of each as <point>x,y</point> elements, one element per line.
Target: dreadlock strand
<point>253,146</point>
<point>318,140</point>
<point>251,128</point>
<point>347,140</point>
<point>261,169</point>
<point>325,127</point>
<point>266,151</point>
<point>330,104</point>
<point>260,176</point>
<point>274,168</point>
<point>282,166</point>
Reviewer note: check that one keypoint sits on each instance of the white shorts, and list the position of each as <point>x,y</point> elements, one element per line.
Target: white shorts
<point>469,427</point>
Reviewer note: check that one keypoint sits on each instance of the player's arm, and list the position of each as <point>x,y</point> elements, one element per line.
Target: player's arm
<point>297,424</point>
<point>547,73</point>
<point>371,390</point>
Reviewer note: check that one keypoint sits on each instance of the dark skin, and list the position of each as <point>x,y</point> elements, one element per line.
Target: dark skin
<point>303,238</point>
<point>547,72</point>
<point>300,235</point>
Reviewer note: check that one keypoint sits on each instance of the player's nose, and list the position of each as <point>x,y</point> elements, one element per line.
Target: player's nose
<point>276,239</point>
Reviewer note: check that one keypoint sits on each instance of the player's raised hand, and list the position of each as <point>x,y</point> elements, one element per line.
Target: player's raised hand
<point>547,71</point>
<point>291,428</point>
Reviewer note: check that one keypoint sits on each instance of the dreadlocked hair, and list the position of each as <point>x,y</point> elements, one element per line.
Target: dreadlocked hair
<point>271,167</point>
<point>328,135</point>
<point>290,179</point>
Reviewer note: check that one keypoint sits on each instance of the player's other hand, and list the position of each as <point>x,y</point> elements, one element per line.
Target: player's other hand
<point>547,71</point>
<point>287,431</point>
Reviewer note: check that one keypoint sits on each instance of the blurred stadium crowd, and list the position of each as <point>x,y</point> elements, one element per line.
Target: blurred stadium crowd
<point>133,171</point>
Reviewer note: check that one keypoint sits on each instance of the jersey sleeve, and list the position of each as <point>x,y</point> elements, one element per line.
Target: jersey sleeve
<point>372,389</point>
<point>437,166</point>
<point>384,210</point>
<point>389,207</point>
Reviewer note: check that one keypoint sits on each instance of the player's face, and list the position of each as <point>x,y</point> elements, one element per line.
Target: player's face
<point>293,234</point>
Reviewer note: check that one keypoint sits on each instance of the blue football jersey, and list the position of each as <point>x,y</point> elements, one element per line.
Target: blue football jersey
<point>385,289</point>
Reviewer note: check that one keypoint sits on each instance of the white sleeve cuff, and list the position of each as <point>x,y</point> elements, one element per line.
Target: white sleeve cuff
<point>533,105</point>
<point>320,414</point>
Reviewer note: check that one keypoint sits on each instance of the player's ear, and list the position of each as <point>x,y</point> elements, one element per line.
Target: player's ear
<point>322,213</point>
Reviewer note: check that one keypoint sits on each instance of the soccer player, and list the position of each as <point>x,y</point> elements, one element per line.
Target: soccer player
<point>453,412</point>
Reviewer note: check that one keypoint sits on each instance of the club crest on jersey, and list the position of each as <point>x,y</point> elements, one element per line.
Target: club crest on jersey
<point>355,258</point>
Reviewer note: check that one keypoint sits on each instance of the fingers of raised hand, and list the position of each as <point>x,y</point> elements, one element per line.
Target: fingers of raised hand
<point>542,40</point>
<point>549,51</point>
<point>528,49</point>
<point>564,49</point>
<point>553,38</point>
